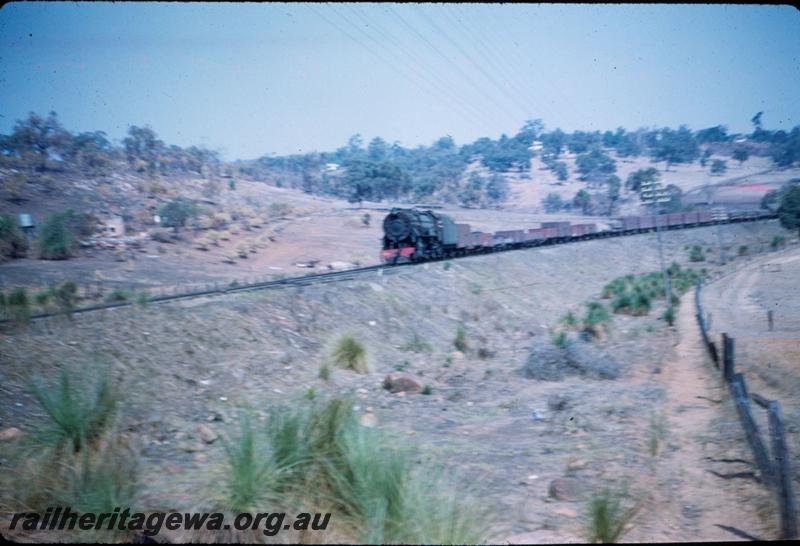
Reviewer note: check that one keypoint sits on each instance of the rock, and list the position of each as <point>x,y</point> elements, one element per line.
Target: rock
<point>401,383</point>
<point>368,420</point>
<point>566,512</point>
<point>10,433</point>
<point>566,489</point>
<point>577,464</point>
<point>207,434</point>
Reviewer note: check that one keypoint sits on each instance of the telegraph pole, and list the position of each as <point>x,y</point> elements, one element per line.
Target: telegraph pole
<point>652,194</point>
<point>720,214</point>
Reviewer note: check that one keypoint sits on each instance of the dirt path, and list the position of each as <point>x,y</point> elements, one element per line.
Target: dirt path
<point>688,501</point>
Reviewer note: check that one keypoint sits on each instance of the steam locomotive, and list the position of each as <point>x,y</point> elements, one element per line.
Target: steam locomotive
<point>413,235</point>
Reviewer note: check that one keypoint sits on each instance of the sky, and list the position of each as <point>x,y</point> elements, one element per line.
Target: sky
<point>250,80</point>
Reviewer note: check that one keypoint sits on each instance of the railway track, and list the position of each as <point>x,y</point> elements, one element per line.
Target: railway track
<point>349,274</point>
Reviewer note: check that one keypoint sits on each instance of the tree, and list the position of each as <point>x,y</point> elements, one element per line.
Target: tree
<point>675,203</point>
<point>595,165</point>
<point>642,176</point>
<point>552,203</point>
<point>673,147</point>
<point>718,166</point>
<point>496,188</point>
<point>35,140</point>
<point>560,170</point>
<point>143,149</point>
<point>741,155</point>
<point>712,134</point>
<point>377,150</point>
<point>756,121</point>
<point>705,157</point>
<point>552,142</point>
<point>789,209</point>
<point>177,212</point>
<point>614,184</point>
<point>582,200</point>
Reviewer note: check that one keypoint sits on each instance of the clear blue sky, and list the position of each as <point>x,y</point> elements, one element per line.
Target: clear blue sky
<point>254,79</point>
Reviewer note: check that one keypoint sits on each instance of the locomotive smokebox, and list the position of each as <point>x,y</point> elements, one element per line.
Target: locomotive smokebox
<point>397,226</point>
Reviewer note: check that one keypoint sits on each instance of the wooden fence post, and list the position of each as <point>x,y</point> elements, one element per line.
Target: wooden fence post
<point>728,357</point>
<point>783,472</point>
<point>712,347</point>
<point>739,391</point>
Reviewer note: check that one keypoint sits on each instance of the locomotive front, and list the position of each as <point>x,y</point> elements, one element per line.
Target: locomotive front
<point>412,235</point>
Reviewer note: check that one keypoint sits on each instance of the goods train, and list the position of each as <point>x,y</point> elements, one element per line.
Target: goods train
<point>414,235</point>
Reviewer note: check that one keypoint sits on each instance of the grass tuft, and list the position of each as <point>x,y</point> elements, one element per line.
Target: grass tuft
<point>351,354</point>
<point>608,518</point>
<point>78,415</point>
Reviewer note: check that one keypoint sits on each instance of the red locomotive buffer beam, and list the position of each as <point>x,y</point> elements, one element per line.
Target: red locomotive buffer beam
<point>390,254</point>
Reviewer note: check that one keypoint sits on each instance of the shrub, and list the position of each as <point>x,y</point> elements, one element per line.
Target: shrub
<point>118,295</point>
<point>669,315</point>
<point>426,390</point>
<point>324,372</point>
<point>607,517</point>
<point>777,241</point>
<point>13,243</point>
<point>56,241</point>
<point>743,250</point>
<point>460,341</point>
<point>65,296</point>
<point>697,254</point>
<point>351,354</point>
<point>78,414</point>
<point>18,306</point>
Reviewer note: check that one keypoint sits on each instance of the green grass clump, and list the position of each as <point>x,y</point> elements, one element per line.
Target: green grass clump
<point>569,320</point>
<point>249,471</point>
<point>777,241</point>
<point>80,409</point>
<point>351,354</point>
<point>743,250</point>
<point>316,455</point>
<point>560,340</point>
<point>460,341</point>
<point>596,313</point>
<point>607,517</point>
<point>427,390</point>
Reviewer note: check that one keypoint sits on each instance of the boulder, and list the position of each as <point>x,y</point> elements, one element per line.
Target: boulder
<point>566,489</point>
<point>401,383</point>
<point>10,433</point>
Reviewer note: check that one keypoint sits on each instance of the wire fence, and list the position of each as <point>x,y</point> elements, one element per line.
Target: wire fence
<point>772,458</point>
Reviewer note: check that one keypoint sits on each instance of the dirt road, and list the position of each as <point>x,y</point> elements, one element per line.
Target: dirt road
<point>688,501</point>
